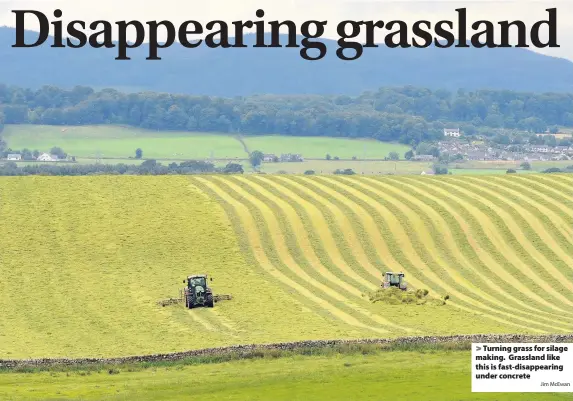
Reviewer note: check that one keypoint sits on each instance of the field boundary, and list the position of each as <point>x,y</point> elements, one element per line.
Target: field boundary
<point>247,349</point>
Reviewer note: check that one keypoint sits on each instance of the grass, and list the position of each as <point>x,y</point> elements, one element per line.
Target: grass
<point>395,296</point>
<point>84,259</point>
<point>365,373</point>
<point>118,144</point>
<point>486,171</point>
<point>504,165</point>
<point>319,147</point>
<point>122,141</point>
<point>329,166</point>
<point>105,250</point>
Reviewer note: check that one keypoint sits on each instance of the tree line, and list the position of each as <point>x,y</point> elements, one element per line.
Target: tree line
<point>408,114</point>
<point>148,167</point>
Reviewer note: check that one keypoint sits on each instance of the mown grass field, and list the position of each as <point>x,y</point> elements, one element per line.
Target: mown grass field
<point>84,259</point>
<point>121,142</point>
<point>428,376</point>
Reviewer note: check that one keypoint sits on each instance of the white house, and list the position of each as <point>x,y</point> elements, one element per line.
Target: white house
<point>44,157</point>
<point>452,132</point>
<point>269,157</point>
<point>14,156</point>
<point>541,149</point>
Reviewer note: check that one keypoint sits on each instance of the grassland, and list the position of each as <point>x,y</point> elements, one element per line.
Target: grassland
<point>318,147</point>
<point>84,259</point>
<point>121,142</point>
<point>116,144</point>
<point>398,375</point>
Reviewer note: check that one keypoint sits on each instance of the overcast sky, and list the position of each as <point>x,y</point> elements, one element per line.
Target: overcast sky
<point>332,11</point>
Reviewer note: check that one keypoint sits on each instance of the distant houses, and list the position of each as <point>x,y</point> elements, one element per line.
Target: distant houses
<point>539,149</point>
<point>45,157</point>
<point>290,157</point>
<point>425,158</point>
<point>42,157</point>
<point>270,158</point>
<point>285,157</point>
<point>452,132</point>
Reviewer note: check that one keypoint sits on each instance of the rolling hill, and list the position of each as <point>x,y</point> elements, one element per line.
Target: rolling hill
<point>84,259</point>
<point>247,71</point>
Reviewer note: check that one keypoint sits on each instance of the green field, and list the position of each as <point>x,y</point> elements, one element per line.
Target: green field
<point>121,142</point>
<point>116,144</point>
<point>84,259</point>
<point>318,147</point>
<point>428,376</point>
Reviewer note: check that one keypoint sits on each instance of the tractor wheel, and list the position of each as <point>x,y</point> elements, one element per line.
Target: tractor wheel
<point>210,303</point>
<point>190,303</point>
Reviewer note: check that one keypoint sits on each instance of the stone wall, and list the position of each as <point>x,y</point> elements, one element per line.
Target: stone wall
<point>289,346</point>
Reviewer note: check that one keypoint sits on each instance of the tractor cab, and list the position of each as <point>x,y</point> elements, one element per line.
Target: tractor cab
<point>197,292</point>
<point>392,279</point>
<point>193,281</point>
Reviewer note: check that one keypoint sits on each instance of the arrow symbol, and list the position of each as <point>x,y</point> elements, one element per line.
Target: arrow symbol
<point>478,348</point>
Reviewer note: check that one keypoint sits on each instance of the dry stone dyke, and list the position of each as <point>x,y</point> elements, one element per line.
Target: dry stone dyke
<point>287,346</point>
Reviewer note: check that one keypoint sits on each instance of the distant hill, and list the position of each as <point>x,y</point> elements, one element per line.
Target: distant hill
<point>247,71</point>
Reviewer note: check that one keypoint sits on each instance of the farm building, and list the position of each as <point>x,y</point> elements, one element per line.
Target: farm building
<point>476,155</point>
<point>289,157</point>
<point>14,156</point>
<point>270,158</point>
<point>452,132</point>
<point>540,149</point>
<point>45,157</point>
<point>423,158</point>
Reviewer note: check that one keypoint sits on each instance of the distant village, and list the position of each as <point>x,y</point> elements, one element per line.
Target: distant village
<point>482,149</point>
<point>288,157</point>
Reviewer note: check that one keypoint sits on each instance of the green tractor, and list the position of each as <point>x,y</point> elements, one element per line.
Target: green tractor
<point>394,280</point>
<point>197,293</point>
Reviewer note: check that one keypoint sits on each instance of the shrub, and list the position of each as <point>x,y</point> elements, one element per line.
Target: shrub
<point>440,169</point>
<point>347,171</point>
